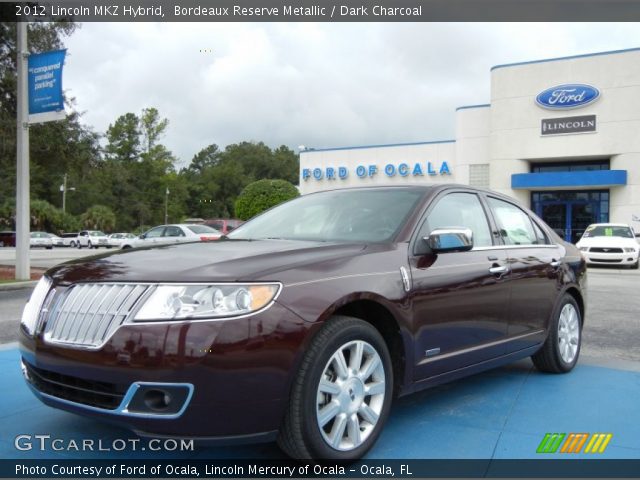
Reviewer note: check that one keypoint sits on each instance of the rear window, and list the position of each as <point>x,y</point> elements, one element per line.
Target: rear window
<point>203,229</point>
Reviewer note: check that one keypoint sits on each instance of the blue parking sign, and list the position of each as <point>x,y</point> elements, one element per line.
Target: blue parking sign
<point>45,82</point>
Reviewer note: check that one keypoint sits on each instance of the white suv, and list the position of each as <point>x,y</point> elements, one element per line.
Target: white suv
<point>92,239</point>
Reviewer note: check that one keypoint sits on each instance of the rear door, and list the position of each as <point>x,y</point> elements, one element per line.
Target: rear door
<point>459,299</point>
<point>534,262</point>
<point>173,234</point>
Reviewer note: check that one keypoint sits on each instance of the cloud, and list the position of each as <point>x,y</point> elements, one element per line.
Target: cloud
<point>320,85</point>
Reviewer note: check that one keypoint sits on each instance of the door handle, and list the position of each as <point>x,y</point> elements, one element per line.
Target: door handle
<point>499,270</point>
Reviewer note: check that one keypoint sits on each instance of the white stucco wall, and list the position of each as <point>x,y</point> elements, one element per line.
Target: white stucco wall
<point>515,122</point>
<point>504,137</point>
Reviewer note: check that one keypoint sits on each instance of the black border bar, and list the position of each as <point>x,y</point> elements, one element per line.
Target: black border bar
<point>323,11</point>
<point>245,468</point>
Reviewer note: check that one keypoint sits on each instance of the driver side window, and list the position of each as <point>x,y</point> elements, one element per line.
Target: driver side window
<point>154,232</point>
<point>460,210</point>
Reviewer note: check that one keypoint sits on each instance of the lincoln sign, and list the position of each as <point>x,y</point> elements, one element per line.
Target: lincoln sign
<point>559,126</point>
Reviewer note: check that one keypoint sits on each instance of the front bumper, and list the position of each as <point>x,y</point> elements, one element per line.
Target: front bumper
<point>237,372</point>
<point>602,258</point>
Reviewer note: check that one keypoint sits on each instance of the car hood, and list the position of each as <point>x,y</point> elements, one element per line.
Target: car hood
<point>607,242</point>
<point>225,260</point>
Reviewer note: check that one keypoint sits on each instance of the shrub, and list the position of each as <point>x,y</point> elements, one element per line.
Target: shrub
<point>262,195</point>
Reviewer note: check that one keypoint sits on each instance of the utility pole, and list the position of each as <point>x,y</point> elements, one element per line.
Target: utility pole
<point>63,189</point>
<point>166,206</point>
<point>23,214</point>
<point>64,194</point>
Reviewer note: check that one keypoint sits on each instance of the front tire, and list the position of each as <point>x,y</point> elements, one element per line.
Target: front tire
<point>342,394</point>
<point>561,350</point>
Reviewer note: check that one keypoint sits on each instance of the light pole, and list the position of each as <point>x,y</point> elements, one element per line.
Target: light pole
<point>166,206</point>
<point>23,262</point>
<point>63,189</point>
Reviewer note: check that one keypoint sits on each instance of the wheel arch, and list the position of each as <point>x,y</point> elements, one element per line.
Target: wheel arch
<point>577,296</point>
<point>383,320</point>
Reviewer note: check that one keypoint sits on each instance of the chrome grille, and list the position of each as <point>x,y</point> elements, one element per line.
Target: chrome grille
<point>86,315</point>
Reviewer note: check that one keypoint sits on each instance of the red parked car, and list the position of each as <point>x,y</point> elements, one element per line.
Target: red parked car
<point>7,239</point>
<point>224,225</point>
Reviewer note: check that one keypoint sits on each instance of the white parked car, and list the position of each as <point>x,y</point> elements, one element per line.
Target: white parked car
<point>41,240</point>
<point>116,239</point>
<point>70,240</point>
<point>56,240</point>
<point>92,239</point>
<point>609,244</point>
<point>177,233</point>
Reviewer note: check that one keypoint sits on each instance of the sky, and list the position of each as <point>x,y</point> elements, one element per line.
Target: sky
<point>315,84</point>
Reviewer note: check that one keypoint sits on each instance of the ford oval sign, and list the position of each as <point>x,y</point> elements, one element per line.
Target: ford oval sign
<point>572,95</point>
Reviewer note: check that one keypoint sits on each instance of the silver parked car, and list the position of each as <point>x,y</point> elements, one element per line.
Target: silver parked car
<point>56,240</point>
<point>92,239</point>
<point>177,233</point>
<point>116,239</point>
<point>41,240</point>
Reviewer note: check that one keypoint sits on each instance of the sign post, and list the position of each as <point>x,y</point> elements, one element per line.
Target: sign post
<point>40,99</point>
<point>23,267</point>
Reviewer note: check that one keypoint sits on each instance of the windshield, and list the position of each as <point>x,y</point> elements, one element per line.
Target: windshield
<point>608,231</point>
<point>97,234</point>
<point>365,215</point>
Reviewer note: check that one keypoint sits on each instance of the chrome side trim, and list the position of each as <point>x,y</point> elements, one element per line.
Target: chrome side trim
<point>478,347</point>
<point>406,280</point>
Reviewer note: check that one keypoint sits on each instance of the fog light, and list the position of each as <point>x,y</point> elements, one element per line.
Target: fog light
<point>157,400</point>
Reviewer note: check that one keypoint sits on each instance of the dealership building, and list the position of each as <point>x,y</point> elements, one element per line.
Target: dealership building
<point>561,135</point>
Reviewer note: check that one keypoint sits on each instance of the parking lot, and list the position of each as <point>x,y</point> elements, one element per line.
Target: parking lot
<point>501,414</point>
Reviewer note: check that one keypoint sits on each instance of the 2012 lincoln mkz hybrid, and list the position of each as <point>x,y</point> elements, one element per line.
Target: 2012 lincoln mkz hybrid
<point>304,323</point>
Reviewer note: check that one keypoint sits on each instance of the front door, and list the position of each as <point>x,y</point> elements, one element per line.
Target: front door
<point>460,299</point>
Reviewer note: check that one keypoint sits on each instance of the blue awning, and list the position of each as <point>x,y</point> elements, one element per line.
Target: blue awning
<point>571,180</point>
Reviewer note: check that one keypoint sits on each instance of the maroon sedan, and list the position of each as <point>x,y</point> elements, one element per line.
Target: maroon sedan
<point>306,322</point>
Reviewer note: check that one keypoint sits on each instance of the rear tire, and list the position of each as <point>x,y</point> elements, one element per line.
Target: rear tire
<point>560,352</point>
<point>342,394</point>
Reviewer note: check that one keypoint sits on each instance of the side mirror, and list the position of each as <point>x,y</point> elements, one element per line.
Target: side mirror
<point>142,236</point>
<point>450,239</point>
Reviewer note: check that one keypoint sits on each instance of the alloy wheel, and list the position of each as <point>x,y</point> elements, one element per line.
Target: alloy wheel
<point>350,395</point>
<point>568,333</point>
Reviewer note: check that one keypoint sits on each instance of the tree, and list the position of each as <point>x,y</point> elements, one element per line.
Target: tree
<point>99,217</point>
<point>215,179</point>
<point>152,127</point>
<point>44,216</point>
<point>124,139</point>
<point>262,195</point>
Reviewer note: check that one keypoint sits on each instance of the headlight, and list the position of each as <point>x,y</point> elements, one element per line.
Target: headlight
<point>629,249</point>
<point>584,249</point>
<point>32,308</point>
<point>175,302</point>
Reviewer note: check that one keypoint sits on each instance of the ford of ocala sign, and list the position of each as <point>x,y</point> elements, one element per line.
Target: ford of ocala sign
<point>417,169</point>
<point>571,95</point>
